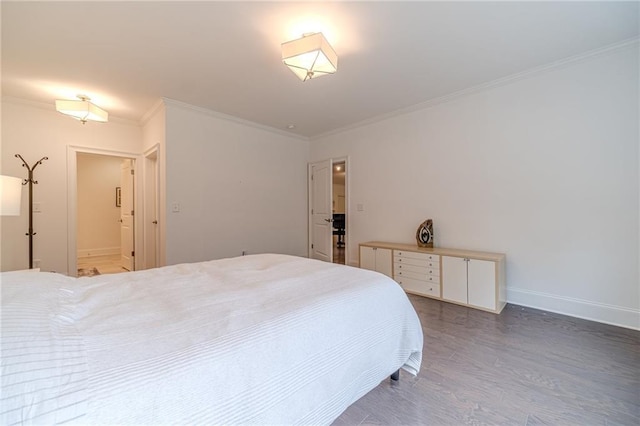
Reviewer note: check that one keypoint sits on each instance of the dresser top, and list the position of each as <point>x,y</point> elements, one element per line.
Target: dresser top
<point>480,255</point>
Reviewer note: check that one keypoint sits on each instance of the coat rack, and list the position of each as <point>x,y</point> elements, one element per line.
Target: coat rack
<point>31,182</point>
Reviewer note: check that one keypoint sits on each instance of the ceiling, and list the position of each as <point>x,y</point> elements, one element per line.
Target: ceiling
<point>225,56</point>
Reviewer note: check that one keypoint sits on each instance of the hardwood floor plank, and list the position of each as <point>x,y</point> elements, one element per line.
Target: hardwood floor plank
<point>523,367</point>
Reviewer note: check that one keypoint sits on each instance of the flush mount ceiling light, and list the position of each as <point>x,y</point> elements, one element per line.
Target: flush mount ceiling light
<point>82,110</point>
<point>310,56</point>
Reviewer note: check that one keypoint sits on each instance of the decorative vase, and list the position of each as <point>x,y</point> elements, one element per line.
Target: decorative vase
<point>424,234</point>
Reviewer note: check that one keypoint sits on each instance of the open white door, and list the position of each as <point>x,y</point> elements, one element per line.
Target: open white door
<point>151,212</point>
<point>126,216</point>
<point>321,214</point>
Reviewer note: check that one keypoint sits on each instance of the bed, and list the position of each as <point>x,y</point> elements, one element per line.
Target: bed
<point>261,339</point>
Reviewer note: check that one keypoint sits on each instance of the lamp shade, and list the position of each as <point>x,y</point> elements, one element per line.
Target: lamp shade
<point>82,110</point>
<point>310,56</point>
<point>10,195</point>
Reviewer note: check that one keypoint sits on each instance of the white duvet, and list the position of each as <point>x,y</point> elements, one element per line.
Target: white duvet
<point>263,339</point>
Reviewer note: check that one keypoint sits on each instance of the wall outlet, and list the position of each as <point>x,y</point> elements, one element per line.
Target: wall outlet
<point>244,252</point>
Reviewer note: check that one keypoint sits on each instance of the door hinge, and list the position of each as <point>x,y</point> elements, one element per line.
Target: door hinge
<point>132,172</point>
<point>311,211</point>
<point>311,177</point>
<point>131,212</point>
<point>133,253</point>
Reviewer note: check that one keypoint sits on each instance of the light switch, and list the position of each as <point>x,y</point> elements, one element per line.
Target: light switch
<point>175,207</point>
<point>37,208</point>
<point>360,207</point>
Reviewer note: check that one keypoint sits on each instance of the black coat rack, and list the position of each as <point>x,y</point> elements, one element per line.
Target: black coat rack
<point>31,182</point>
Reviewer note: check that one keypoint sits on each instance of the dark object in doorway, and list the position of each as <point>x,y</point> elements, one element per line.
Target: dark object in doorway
<point>88,272</point>
<point>338,227</point>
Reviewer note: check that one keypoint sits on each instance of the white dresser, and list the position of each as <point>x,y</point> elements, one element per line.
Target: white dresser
<point>470,278</point>
<point>417,272</point>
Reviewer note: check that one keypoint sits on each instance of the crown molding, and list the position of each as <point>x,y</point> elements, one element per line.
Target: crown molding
<point>232,118</point>
<point>155,108</point>
<point>489,85</point>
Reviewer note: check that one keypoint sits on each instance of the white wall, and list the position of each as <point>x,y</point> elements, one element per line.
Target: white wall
<point>34,131</point>
<point>98,217</point>
<point>544,169</point>
<point>239,187</point>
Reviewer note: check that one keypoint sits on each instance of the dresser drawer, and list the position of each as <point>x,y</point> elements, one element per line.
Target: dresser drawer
<point>429,263</point>
<point>417,276</point>
<point>417,255</point>
<point>407,267</point>
<point>419,287</point>
<point>425,263</point>
<point>424,270</point>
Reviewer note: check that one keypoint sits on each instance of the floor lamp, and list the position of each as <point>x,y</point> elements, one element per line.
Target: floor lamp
<point>10,195</point>
<point>31,182</point>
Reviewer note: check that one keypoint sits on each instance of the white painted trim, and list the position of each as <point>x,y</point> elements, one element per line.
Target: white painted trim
<point>154,151</point>
<point>72,202</point>
<point>593,311</point>
<point>152,111</point>
<point>238,120</point>
<point>105,251</point>
<point>484,86</point>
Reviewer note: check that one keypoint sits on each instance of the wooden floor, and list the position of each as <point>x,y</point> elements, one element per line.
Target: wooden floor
<point>108,264</point>
<point>338,254</point>
<point>523,367</point>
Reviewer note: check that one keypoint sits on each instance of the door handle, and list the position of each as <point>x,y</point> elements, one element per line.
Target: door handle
<point>155,222</point>
<point>329,220</point>
<point>120,220</point>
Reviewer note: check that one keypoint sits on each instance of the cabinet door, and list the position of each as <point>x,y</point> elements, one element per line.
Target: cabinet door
<point>384,261</point>
<point>367,258</point>
<point>454,279</point>
<point>482,283</point>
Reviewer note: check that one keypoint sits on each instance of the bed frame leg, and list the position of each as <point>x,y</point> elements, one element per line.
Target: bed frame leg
<point>396,376</point>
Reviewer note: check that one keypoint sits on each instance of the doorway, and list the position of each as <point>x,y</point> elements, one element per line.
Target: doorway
<point>329,210</point>
<point>339,172</point>
<point>152,210</point>
<point>103,230</point>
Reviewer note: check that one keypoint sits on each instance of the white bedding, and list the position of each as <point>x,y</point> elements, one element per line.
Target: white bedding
<point>263,339</point>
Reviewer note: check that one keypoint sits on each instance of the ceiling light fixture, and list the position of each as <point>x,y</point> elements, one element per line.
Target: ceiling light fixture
<point>82,110</point>
<point>310,56</point>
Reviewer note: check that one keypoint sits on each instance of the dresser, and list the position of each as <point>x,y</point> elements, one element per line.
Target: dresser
<point>471,278</point>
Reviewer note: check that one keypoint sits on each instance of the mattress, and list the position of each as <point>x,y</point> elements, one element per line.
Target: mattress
<point>261,339</point>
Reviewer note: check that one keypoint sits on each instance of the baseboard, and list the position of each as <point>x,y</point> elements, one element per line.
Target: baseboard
<point>600,312</point>
<point>108,251</point>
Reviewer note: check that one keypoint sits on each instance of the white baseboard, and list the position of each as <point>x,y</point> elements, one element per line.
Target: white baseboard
<point>107,251</point>
<point>600,312</point>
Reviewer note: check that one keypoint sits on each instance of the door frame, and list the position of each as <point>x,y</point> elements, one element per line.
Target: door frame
<point>347,204</point>
<point>152,205</point>
<point>72,203</point>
